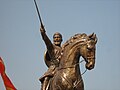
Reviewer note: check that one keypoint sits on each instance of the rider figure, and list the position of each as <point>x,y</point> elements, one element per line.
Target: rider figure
<point>52,54</point>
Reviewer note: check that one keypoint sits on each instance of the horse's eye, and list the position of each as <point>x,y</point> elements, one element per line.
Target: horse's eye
<point>89,48</point>
<point>92,48</point>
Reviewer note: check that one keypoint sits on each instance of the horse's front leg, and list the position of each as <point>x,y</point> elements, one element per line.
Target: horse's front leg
<point>80,86</point>
<point>55,83</point>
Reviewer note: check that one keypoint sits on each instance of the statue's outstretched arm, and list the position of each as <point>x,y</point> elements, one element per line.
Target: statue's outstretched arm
<point>47,41</point>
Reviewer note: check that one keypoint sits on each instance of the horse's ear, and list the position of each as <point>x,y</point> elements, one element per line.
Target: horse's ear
<point>96,39</point>
<point>91,35</point>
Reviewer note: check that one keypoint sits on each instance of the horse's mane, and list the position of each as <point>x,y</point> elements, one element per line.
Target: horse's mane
<point>74,38</point>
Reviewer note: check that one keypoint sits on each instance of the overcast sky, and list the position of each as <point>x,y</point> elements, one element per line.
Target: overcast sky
<point>22,47</point>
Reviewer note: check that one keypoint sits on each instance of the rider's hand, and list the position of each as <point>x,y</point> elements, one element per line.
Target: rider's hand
<point>42,30</point>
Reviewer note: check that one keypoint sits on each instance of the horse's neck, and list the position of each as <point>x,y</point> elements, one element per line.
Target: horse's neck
<point>69,63</point>
<point>70,57</point>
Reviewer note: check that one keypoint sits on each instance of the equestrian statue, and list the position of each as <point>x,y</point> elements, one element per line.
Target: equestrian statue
<point>63,62</point>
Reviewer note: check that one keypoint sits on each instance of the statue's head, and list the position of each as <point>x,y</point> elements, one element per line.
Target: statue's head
<point>57,39</point>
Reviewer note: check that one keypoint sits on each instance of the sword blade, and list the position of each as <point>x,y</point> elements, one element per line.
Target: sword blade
<point>38,12</point>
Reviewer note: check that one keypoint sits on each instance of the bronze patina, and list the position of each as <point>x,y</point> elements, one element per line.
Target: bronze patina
<point>52,56</point>
<point>63,62</point>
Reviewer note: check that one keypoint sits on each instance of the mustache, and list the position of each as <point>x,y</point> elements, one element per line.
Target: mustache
<point>57,40</point>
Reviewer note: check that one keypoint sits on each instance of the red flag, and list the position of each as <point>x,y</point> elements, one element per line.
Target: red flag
<point>7,82</point>
<point>2,67</point>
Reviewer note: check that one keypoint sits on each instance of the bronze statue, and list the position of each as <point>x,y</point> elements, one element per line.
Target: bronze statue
<point>68,76</point>
<point>51,56</point>
<point>66,73</point>
<point>63,62</point>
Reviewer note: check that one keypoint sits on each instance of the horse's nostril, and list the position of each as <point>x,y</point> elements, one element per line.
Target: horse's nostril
<point>89,65</point>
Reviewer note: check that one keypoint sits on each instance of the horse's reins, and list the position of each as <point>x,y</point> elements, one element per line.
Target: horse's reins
<point>74,66</point>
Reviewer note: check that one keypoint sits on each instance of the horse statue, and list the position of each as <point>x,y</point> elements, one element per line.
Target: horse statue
<point>68,75</point>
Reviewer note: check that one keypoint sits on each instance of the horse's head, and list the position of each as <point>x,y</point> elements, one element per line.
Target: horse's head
<point>88,49</point>
<point>84,46</point>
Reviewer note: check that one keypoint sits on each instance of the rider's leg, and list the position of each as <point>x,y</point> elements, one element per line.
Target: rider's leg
<point>45,83</point>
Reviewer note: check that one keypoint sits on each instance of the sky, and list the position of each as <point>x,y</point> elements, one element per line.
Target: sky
<point>22,47</point>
